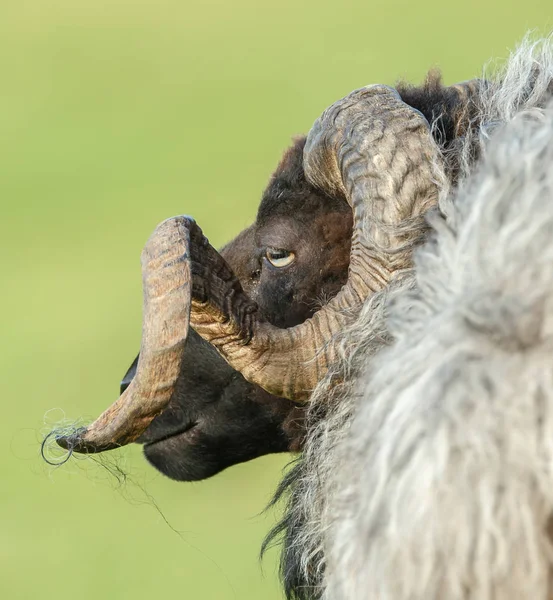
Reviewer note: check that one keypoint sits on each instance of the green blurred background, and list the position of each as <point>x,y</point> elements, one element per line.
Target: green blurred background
<point>113,116</point>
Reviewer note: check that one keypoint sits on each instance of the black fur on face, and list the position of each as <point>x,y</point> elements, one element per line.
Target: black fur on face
<point>216,418</point>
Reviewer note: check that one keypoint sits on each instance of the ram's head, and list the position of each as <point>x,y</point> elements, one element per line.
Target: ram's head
<point>367,179</point>
<point>294,256</point>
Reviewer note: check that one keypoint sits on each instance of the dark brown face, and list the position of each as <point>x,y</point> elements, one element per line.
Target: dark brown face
<point>303,263</point>
<point>290,262</point>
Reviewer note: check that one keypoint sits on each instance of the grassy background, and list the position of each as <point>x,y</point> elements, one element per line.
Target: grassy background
<point>114,115</point>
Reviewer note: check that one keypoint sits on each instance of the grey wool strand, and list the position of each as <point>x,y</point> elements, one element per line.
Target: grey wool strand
<point>428,472</point>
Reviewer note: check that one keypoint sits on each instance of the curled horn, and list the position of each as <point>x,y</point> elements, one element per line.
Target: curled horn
<point>378,153</point>
<point>370,147</point>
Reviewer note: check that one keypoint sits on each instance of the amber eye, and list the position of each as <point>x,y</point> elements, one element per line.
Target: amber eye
<point>279,257</point>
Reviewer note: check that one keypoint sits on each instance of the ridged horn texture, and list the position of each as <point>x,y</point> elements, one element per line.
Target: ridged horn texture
<point>166,281</point>
<point>378,153</point>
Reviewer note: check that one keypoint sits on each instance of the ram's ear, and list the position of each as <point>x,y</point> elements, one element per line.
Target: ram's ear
<point>129,375</point>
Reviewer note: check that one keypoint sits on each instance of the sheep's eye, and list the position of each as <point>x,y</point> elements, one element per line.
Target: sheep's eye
<point>279,257</point>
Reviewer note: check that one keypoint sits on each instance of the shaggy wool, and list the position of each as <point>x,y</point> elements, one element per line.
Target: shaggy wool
<point>442,488</point>
<point>452,443</point>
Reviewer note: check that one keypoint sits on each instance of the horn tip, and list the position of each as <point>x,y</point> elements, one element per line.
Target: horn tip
<point>72,442</point>
<point>82,441</point>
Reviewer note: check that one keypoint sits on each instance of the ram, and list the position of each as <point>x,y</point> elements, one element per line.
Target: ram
<point>290,261</point>
<point>386,154</point>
